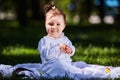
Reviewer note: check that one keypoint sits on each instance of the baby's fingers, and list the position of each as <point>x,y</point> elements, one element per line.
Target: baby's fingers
<point>68,51</point>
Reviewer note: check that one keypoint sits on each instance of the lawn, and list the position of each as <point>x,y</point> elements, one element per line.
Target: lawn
<point>95,44</point>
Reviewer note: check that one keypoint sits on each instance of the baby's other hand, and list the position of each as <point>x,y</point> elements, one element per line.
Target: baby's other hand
<point>65,48</point>
<point>62,46</point>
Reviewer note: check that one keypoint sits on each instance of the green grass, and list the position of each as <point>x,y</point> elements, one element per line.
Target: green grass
<point>95,44</point>
<point>90,54</point>
<point>19,54</point>
<point>98,55</point>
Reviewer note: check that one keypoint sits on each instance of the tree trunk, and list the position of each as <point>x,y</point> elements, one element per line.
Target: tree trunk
<point>21,12</point>
<point>101,10</point>
<point>117,17</point>
<point>85,10</point>
<point>37,9</point>
<point>89,7</point>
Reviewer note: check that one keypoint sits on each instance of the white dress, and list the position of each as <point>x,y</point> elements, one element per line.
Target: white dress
<point>58,64</point>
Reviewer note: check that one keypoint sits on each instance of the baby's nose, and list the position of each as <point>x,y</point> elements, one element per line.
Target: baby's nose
<point>53,26</point>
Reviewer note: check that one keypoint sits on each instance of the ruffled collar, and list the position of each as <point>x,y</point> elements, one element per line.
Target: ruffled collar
<point>62,34</point>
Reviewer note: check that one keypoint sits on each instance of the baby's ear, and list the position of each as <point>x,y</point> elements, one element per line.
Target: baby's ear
<point>65,22</point>
<point>64,26</point>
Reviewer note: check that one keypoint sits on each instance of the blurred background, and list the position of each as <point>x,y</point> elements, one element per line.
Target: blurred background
<point>77,11</point>
<point>92,25</point>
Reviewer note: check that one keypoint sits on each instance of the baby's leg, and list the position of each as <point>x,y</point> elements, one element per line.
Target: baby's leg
<point>80,64</point>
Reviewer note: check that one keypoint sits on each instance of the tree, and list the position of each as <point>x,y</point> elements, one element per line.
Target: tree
<point>37,9</point>
<point>101,10</point>
<point>85,10</point>
<point>21,11</point>
<point>117,17</point>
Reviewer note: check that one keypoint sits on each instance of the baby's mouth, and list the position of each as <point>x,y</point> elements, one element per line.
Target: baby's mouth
<point>53,31</point>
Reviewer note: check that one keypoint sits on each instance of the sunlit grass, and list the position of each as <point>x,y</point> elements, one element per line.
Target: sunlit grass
<point>90,54</point>
<point>98,55</point>
<point>19,54</point>
<point>19,50</point>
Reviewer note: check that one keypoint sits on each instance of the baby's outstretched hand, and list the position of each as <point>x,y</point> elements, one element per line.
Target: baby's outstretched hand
<point>65,48</point>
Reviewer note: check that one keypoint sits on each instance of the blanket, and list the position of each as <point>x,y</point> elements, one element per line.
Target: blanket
<point>34,71</point>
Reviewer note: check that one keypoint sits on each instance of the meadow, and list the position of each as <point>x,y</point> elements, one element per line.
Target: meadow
<point>95,44</point>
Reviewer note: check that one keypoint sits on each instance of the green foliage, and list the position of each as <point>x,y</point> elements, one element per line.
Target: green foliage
<point>90,54</point>
<point>19,54</point>
<point>19,50</point>
<point>98,55</point>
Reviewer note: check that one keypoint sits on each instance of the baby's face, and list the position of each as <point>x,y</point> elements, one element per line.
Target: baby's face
<point>54,25</point>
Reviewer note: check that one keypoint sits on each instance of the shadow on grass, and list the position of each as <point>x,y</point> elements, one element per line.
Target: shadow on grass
<point>13,60</point>
<point>99,35</point>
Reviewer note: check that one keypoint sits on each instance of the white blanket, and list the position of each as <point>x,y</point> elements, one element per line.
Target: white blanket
<point>37,70</point>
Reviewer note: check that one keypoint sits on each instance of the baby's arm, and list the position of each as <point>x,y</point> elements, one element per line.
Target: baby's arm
<point>48,52</point>
<point>69,44</point>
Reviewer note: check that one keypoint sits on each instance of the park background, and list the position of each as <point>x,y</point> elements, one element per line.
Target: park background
<point>93,26</point>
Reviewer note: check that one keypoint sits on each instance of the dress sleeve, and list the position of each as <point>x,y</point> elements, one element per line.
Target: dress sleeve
<point>69,43</point>
<point>48,52</point>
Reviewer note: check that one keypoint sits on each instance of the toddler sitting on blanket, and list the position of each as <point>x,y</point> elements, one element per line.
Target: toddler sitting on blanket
<point>56,50</point>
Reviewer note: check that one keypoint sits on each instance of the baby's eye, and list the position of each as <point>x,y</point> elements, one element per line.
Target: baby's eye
<point>58,24</point>
<point>51,24</point>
